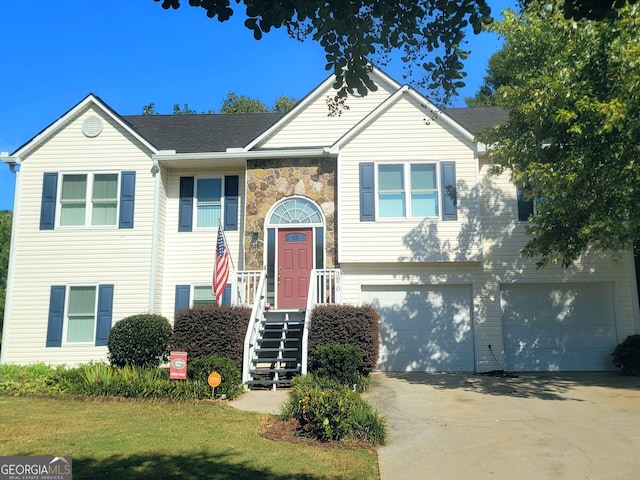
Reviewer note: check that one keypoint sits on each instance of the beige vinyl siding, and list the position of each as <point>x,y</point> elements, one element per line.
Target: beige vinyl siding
<point>407,133</point>
<point>161,253</point>
<point>66,256</point>
<point>189,256</point>
<point>504,236</point>
<point>313,127</point>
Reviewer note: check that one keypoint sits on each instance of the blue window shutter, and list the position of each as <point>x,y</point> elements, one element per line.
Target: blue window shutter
<point>226,295</point>
<point>185,213</point>
<point>105,314</point>
<point>367,193</point>
<point>449,191</point>
<point>127,198</point>
<point>48,205</point>
<point>231,202</point>
<point>182,297</point>
<point>525,207</point>
<point>56,315</point>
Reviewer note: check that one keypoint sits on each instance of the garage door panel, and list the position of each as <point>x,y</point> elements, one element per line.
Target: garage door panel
<point>426,328</point>
<point>550,327</point>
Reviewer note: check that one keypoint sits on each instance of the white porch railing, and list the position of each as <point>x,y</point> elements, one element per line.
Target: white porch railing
<point>325,287</point>
<point>246,287</point>
<point>258,296</point>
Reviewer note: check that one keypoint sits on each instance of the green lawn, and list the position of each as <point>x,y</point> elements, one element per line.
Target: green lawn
<point>144,440</point>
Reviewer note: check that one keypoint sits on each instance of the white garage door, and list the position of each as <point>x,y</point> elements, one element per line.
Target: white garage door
<point>558,327</point>
<point>423,328</point>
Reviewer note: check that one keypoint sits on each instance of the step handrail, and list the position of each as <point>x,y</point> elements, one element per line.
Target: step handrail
<point>304,347</point>
<point>257,313</point>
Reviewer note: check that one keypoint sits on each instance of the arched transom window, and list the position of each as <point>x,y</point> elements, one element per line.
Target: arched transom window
<point>296,210</point>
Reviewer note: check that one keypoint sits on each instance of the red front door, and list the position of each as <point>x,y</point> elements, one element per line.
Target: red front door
<point>295,259</point>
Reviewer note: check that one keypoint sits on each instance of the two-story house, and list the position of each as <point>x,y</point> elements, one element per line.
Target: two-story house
<point>387,202</point>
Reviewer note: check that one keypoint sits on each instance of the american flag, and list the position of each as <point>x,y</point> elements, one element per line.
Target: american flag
<point>220,267</point>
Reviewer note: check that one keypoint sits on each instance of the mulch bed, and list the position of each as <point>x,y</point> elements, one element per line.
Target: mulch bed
<point>273,427</point>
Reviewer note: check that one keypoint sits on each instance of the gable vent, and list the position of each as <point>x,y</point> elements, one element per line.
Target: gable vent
<point>92,126</point>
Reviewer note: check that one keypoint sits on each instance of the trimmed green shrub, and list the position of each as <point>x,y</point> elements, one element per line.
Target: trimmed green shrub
<point>338,361</point>
<point>626,356</point>
<point>212,330</point>
<point>327,410</point>
<point>139,340</point>
<point>346,324</point>
<point>231,383</point>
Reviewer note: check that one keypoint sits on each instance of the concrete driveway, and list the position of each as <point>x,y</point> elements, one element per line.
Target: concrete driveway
<point>536,426</point>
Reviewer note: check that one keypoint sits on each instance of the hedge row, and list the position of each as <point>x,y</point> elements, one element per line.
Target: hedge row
<point>212,330</point>
<point>350,325</point>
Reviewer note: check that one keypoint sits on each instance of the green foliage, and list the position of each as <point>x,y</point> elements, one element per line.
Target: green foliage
<point>626,356</point>
<point>235,103</point>
<point>231,383</point>
<point>6,219</point>
<point>346,324</point>
<point>139,340</point>
<point>339,362</point>
<point>284,104</point>
<point>327,410</point>
<point>104,380</point>
<point>149,109</point>
<point>571,89</point>
<point>100,379</point>
<point>429,33</point>
<point>212,330</point>
<point>184,111</point>
<point>37,378</point>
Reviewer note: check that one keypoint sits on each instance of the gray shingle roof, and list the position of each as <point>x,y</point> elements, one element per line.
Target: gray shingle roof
<point>201,133</point>
<point>477,119</point>
<point>217,132</point>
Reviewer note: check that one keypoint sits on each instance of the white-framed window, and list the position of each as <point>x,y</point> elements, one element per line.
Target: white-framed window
<point>89,199</point>
<point>80,314</point>
<point>203,296</point>
<point>407,190</point>
<point>208,202</point>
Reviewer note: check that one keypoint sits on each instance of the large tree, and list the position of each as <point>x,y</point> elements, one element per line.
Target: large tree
<point>429,33</point>
<point>572,89</point>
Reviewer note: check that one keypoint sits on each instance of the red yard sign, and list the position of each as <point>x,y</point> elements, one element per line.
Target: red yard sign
<point>178,366</point>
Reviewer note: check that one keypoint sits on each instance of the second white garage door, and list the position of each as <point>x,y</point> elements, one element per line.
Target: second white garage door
<point>558,327</point>
<point>424,327</point>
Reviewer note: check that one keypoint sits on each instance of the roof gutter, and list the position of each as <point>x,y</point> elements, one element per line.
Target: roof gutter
<point>240,153</point>
<point>10,160</point>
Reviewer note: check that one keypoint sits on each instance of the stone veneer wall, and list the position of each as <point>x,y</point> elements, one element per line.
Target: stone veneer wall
<point>268,181</point>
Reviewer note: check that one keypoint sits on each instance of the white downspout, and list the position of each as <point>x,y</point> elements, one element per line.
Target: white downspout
<point>155,171</point>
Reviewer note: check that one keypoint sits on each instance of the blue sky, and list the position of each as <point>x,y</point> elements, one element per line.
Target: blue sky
<point>132,53</point>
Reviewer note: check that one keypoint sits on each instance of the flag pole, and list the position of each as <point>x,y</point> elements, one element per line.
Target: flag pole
<point>226,245</point>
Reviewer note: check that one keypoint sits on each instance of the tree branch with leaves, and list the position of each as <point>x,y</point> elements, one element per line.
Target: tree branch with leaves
<point>572,89</point>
